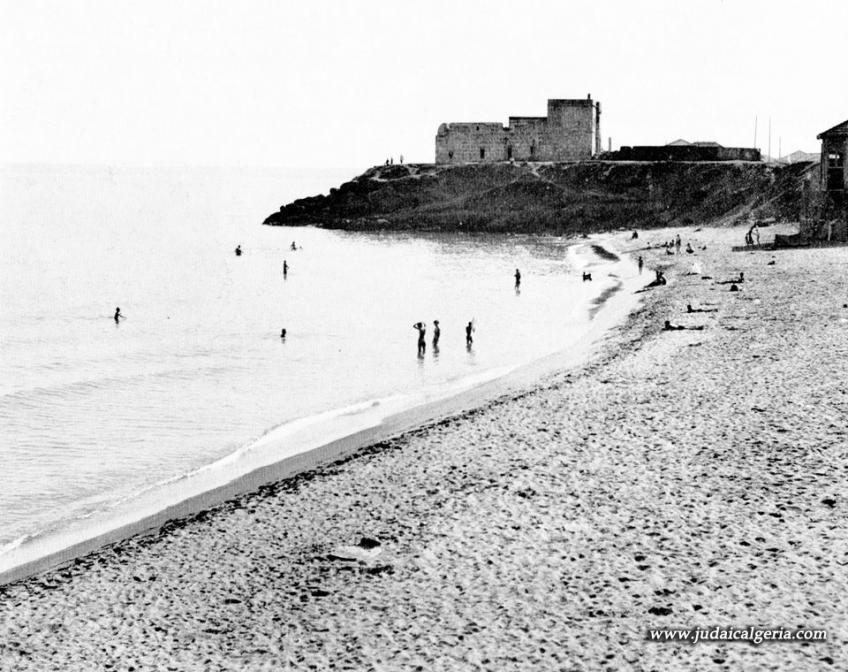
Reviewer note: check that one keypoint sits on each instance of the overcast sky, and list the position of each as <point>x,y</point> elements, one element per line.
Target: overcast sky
<point>317,83</point>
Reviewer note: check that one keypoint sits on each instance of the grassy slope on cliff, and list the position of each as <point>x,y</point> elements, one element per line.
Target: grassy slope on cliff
<point>554,197</point>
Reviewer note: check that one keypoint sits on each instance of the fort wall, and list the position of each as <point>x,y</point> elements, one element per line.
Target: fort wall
<point>570,132</point>
<point>683,153</point>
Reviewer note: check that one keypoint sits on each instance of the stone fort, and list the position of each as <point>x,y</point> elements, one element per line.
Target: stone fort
<point>570,132</point>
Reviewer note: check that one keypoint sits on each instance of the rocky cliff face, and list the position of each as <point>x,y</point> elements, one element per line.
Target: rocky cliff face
<point>563,198</point>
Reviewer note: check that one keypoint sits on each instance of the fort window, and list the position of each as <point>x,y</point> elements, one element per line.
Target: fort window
<point>509,152</point>
<point>450,154</point>
<point>482,153</point>
<point>532,151</point>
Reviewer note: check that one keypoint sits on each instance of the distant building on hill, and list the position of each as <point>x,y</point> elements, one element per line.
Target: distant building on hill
<point>570,132</point>
<point>680,142</point>
<point>681,150</point>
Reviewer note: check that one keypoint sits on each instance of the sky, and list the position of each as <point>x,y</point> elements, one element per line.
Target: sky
<point>343,84</point>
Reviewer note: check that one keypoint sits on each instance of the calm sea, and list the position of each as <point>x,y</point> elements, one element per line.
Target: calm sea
<point>93,414</point>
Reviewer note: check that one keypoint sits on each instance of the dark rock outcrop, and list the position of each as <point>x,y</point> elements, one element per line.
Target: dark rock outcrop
<point>564,198</point>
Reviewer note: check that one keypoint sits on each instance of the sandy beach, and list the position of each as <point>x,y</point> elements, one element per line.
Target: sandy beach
<point>691,478</point>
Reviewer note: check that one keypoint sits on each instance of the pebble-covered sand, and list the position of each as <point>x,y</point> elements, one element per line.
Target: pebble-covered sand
<point>692,478</point>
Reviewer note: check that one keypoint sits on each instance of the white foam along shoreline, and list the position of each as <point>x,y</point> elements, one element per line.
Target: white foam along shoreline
<point>307,443</point>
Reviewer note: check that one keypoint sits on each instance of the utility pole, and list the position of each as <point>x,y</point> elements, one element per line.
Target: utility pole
<point>755,131</point>
<point>769,145</point>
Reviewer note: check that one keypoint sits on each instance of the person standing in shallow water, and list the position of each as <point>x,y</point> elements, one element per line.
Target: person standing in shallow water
<point>517,278</point>
<point>437,332</point>
<point>469,329</point>
<point>422,334</point>
<point>285,268</point>
<point>118,316</point>
<point>641,264</point>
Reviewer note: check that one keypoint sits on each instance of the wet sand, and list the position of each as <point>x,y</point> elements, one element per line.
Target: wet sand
<point>680,479</point>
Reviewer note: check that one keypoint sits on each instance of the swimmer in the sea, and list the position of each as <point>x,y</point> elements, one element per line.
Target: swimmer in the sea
<point>422,334</point>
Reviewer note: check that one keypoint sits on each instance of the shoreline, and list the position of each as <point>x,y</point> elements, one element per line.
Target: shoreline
<point>61,548</point>
<point>686,479</point>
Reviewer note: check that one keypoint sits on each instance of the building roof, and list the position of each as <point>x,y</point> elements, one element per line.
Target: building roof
<point>706,143</point>
<point>680,142</point>
<point>837,131</point>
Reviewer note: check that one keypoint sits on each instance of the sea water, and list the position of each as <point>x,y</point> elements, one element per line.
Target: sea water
<point>94,414</point>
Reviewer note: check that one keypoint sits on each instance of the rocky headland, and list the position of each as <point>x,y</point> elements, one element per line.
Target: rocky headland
<point>559,198</point>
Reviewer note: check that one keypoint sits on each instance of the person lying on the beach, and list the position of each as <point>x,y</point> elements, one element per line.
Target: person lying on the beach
<point>734,287</point>
<point>660,280</point>
<point>668,326</point>
<point>689,248</point>
<point>690,309</point>
<point>587,276</point>
<point>732,281</point>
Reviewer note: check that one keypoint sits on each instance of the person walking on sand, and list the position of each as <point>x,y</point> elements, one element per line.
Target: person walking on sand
<point>677,243</point>
<point>517,278</point>
<point>285,268</point>
<point>641,263</point>
<point>437,332</point>
<point>422,334</point>
<point>469,329</point>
